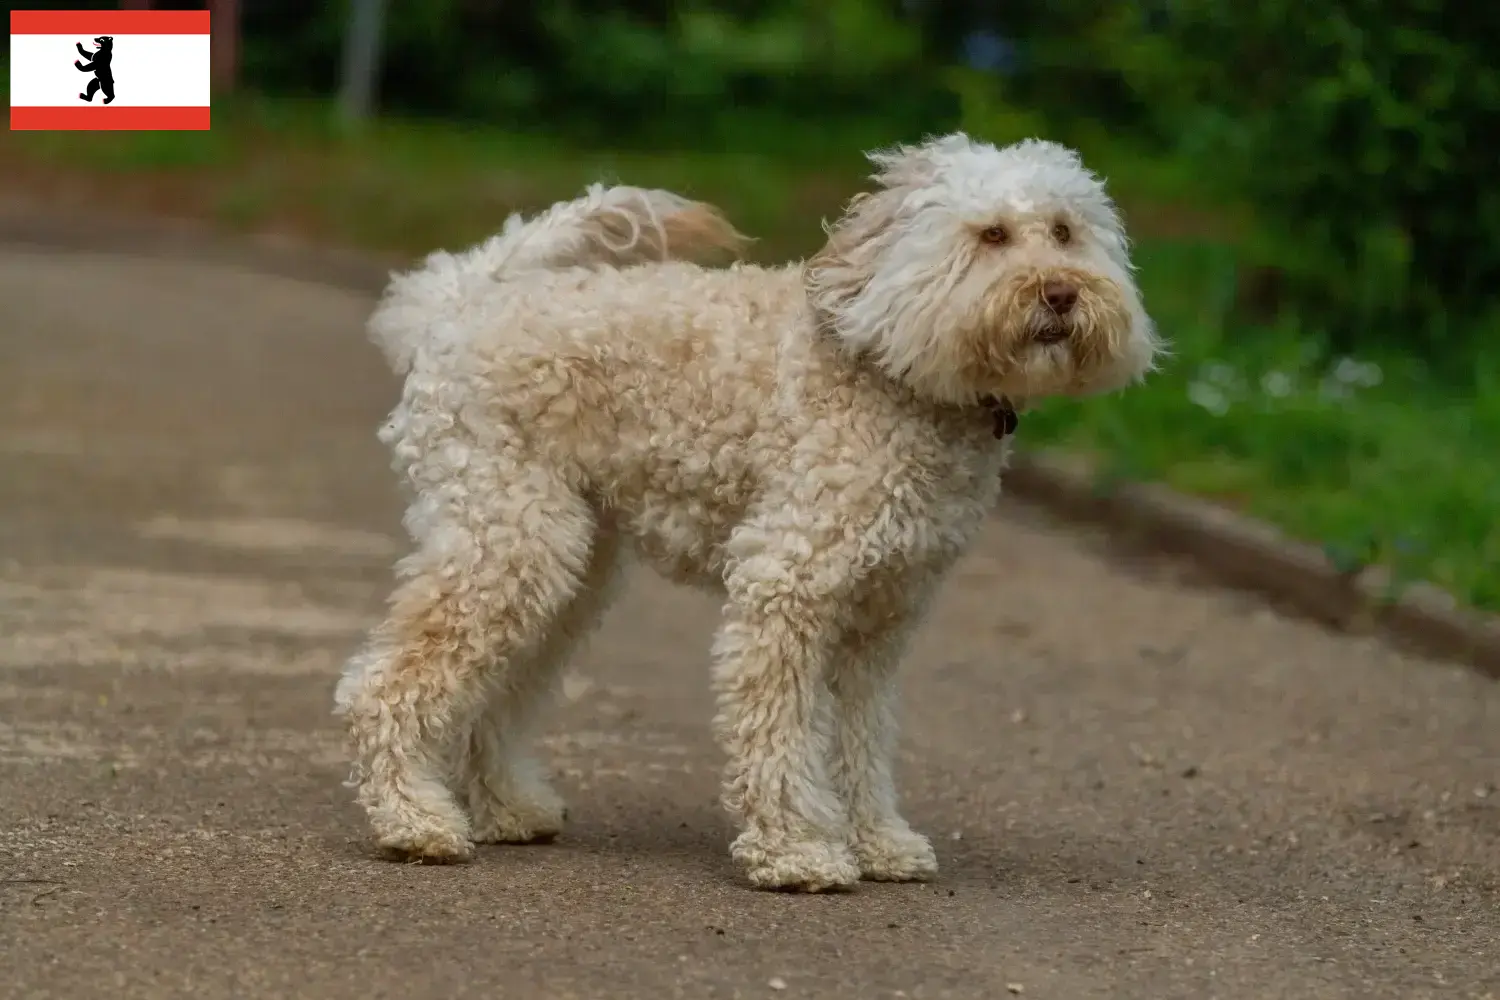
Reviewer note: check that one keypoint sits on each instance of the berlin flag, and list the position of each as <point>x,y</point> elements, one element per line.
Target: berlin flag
<point>109,69</point>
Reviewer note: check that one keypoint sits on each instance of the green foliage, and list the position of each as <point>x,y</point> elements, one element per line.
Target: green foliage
<point>1380,176</point>
<point>679,77</point>
<point>1374,458</point>
<point>1357,130</point>
<point>649,72</point>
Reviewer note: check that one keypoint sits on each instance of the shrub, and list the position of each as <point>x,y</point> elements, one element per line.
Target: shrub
<point>1359,130</point>
<point>648,71</point>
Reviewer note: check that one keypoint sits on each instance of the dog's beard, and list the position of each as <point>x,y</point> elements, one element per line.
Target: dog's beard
<point>1024,349</point>
<point>1045,327</point>
<point>968,340</point>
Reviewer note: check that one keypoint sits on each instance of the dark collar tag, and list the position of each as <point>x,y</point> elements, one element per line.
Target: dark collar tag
<point>1003,414</point>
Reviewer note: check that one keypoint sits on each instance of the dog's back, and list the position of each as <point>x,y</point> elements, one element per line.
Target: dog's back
<point>606,227</point>
<point>582,340</point>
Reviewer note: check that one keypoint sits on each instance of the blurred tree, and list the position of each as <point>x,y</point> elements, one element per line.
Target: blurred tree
<point>364,42</point>
<point>655,70</point>
<point>1358,130</point>
<point>224,27</point>
<point>1361,129</point>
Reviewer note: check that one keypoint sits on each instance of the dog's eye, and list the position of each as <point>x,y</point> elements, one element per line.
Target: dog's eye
<point>997,235</point>
<point>1061,233</point>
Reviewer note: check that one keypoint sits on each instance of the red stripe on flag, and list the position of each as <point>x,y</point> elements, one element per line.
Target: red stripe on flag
<point>109,22</point>
<point>101,119</point>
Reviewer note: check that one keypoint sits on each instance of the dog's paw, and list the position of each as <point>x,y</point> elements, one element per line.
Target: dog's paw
<point>798,866</point>
<point>434,845</point>
<point>895,854</point>
<point>537,819</point>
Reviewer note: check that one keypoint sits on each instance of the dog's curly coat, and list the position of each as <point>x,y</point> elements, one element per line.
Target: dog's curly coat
<point>811,441</point>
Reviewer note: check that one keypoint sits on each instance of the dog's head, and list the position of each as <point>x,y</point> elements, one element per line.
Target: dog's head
<point>974,271</point>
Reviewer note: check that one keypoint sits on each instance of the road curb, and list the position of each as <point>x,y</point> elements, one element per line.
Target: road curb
<point>1253,555</point>
<point>1231,549</point>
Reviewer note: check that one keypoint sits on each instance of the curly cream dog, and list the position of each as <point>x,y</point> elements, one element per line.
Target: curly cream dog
<point>815,442</point>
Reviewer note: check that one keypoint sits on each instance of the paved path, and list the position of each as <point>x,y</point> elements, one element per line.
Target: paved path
<point>1139,787</point>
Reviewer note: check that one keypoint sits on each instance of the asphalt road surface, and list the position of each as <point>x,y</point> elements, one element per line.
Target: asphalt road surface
<point>1139,786</point>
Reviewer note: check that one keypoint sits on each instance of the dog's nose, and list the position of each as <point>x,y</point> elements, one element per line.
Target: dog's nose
<point>1060,296</point>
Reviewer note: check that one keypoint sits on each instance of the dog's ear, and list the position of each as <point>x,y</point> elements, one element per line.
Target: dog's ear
<point>836,275</point>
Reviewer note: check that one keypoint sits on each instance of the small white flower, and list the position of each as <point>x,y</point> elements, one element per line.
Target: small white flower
<point>1210,397</point>
<point>1277,384</point>
<point>1220,374</point>
<point>1365,374</point>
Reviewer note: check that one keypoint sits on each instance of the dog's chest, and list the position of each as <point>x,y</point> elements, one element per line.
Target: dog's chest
<point>681,515</point>
<point>955,505</point>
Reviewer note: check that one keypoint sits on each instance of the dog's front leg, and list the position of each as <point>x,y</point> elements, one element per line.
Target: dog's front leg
<point>769,678</point>
<point>862,679</point>
<point>770,657</point>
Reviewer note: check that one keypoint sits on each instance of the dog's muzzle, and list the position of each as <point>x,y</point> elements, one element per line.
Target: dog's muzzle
<point>1050,322</point>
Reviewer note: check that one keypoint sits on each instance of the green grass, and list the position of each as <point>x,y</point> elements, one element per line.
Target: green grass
<point>1371,457</point>
<point>1397,471</point>
<point>406,186</point>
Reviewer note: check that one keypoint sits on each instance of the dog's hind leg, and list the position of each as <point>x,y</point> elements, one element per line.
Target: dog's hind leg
<point>862,724</point>
<point>506,788</point>
<point>503,553</point>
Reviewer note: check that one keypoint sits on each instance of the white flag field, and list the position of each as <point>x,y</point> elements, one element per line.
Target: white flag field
<point>109,69</point>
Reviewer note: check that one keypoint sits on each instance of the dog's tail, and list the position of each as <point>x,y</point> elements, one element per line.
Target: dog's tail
<point>605,227</point>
